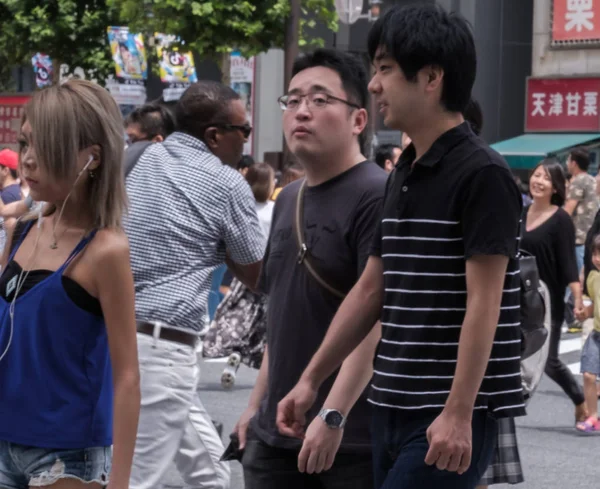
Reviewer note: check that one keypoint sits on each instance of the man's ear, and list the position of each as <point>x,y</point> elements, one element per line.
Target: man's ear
<point>435,77</point>
<point>212,137</point>
<point>361,119</point>
<point>158,139</point>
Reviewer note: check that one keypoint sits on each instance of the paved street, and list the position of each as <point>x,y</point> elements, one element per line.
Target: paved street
<point>554,455</point>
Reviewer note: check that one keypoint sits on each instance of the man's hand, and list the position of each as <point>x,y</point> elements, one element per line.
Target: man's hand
<point>450,442</point>
<point>291,410</point>
<point>241,427</point>
<point>319,448</point>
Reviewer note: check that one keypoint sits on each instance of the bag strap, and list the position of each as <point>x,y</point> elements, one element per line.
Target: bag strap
<point>133,154</point>
<point>304,254</point>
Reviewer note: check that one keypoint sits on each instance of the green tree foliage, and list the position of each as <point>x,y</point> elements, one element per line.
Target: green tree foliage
<point>72,32</point>
<point>211,28</point>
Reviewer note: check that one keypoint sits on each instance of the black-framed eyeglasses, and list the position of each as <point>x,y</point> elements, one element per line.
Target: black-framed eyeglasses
<point>245,129</point>
<point>318,100</point>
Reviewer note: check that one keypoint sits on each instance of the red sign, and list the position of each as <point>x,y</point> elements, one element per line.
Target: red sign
<point>562,105</point>
<point>576,20</point>
<point>11,110</point>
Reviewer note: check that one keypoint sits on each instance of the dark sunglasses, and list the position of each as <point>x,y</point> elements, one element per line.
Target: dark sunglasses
<point>246,129</point>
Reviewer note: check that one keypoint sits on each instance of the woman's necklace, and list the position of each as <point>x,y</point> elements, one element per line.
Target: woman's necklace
<point>54,244</point>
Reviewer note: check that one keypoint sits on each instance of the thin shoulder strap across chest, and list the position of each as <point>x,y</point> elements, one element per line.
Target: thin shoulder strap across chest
<point>78,249</point>
<point>20,232</point>
<point>304,253</point>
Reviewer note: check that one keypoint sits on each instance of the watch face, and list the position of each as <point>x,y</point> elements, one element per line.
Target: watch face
<point>334,419</point>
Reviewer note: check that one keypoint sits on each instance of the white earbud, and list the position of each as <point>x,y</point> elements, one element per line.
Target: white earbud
<point>85,167</point>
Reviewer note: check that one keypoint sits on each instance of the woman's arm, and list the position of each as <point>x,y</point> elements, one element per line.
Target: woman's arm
<point>116,294</point>
<point>15,209</point>
<point>565,258</point>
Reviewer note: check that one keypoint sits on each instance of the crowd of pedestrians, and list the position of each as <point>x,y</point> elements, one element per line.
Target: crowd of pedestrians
<point>380,301</point>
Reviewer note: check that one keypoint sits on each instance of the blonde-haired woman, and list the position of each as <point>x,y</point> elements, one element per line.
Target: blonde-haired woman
<point>68,354</point>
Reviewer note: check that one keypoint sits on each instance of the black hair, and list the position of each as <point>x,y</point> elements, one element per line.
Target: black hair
<point>423,35</point>
<point>14,173</point>
<point>352,72</point>
<point>474,116</point>
<point>246,162</point>
<point>557,176</point>
<point>385,152</point>
<point>595,244</point>
<point>203,104</point>
<point>581,157</point>
<point>153,119</point>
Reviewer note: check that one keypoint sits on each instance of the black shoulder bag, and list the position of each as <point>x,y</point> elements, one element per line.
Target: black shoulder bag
<point>533,307</point>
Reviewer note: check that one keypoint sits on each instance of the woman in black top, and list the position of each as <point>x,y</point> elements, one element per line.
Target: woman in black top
<point>549,235</point>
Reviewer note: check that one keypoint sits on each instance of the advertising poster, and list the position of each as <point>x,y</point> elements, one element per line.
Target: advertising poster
<point>11,111</point>
<point>242,81</point>
<point>131,66</point>
<point>42,67</point>
<point>177,70</point>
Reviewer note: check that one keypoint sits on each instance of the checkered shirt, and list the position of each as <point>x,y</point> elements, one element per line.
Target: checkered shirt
<point>186,209</point>
<point>505,467</point>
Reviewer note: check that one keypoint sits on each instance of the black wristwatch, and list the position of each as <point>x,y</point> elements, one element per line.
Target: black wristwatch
<point>333,418</point>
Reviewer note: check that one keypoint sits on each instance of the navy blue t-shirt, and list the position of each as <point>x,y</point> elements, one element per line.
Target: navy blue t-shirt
<point>12,193</point>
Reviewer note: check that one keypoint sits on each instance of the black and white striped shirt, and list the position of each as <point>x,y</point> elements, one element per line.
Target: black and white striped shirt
<point>186,209</point>
<point>459,200</point>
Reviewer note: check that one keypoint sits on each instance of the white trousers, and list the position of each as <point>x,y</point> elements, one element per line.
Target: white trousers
<point>174,428</point>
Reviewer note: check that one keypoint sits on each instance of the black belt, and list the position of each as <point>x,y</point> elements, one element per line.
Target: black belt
<point>188,339</point>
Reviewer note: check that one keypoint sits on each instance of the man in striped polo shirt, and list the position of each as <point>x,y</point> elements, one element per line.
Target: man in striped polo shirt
<point>443,275</point>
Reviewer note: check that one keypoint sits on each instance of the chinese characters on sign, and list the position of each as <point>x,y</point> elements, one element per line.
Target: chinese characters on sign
<point>576,20</point>
<point>11,110</point>
<point>562,104</point>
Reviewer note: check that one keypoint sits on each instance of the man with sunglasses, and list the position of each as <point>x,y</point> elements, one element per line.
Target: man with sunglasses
<point>324,122</point>
<point>190,211</point>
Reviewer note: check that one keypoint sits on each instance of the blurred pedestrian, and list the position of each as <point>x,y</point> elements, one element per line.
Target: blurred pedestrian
<point>240,324</point>
<point>387,155</point>
<point>549,235</point>
<point>150,122</point>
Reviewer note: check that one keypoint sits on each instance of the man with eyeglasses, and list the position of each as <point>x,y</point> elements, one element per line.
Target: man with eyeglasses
<point>324,122</point>
<point>190,211</point>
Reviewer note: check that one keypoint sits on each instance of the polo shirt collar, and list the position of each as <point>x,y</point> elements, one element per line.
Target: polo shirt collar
<point>439,148</point>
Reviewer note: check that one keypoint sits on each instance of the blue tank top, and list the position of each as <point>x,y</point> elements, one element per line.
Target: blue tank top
<point>56,378</point>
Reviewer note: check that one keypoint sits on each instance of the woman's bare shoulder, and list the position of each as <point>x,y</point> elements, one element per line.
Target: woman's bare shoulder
<point>109,244</point>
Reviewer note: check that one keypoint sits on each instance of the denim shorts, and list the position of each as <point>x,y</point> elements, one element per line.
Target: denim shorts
<point>22,466</point>
<point>590,355</point>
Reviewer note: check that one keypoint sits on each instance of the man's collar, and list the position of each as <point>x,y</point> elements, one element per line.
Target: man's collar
<point>439,148</point>
<point>189,140</point>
